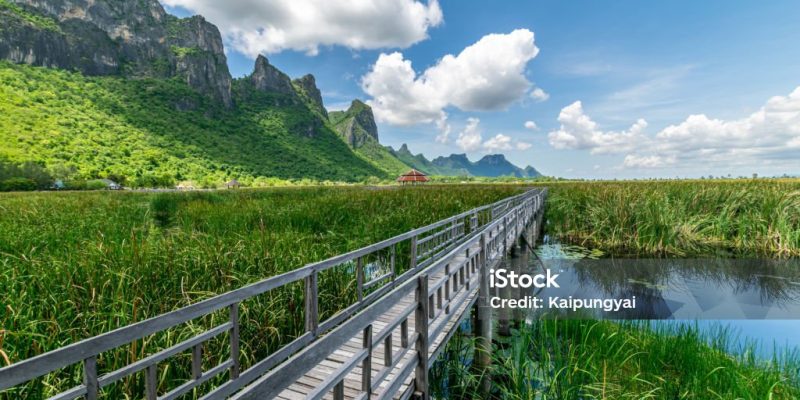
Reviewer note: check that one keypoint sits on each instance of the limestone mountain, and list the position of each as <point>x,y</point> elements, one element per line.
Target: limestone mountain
<point>108,37</point>
<point>420,163</point>
<point>267,78</point>
<point>307,88</point>
<point>357,127</point>
<point>123,89</point>
<point>492,165</point>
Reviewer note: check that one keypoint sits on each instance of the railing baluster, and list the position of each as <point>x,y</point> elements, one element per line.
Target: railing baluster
<point>234,318</point>
<point>90,377</point>
<point>366,365</point>
<point>388,353</point>
<point>151,382</point>
<point>312,302</point>
<point>360,278</point>
<point>338,391</point>
<point>413,263</point>
<point>197,361</point>
<point>404,333</point>
<point>393,254</point>
<point>421,327</point>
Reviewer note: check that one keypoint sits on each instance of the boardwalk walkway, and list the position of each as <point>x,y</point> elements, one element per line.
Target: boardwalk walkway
<point>401,322</point>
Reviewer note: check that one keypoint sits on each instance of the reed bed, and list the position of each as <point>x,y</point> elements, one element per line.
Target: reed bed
<point>750,218</point>
<point>73,265</point>
<point>583,359</point>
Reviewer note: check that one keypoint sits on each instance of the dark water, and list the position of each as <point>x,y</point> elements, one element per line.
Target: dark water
<point>757,302</point>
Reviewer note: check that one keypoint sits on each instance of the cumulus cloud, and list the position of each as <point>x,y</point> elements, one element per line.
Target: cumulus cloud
<point>487,75</point>
<point>499,142</point>
<point>579,131</point>
<point>768,134</point>
<point>270,26</point>
<point>771,133</point>
<point>634,161</point>
<point>471,139</point>
<point>531,125</point>
<point>444,130</point>
<point>539,95</point>
<point>522,145</point>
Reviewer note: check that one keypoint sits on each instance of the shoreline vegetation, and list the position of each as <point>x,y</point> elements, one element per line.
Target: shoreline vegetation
<point>693,218</point>
<point>587,359</point>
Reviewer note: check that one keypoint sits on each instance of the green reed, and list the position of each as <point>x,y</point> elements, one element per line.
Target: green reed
<point>585,359</point>
<point>679,218</point>
<point>73,265</point>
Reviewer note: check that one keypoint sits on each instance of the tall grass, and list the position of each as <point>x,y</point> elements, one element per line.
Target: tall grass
<point>583,359</point>
<point>679,218</point>
<point>73,265</point>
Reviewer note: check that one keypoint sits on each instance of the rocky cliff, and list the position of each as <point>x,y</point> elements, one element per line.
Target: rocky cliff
<point>109,37</point>
<point>267,78</point>
<point>356,125</point>
<point>307,87</point>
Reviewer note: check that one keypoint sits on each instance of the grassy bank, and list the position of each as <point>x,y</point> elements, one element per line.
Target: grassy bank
<point>573,359</point>
<point>77,264</point>
<point>679,218</point>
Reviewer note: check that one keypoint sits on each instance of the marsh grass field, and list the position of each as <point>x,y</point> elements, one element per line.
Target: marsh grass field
<point>726,218</point>
<point>73,265</point>
<point>585,359</point>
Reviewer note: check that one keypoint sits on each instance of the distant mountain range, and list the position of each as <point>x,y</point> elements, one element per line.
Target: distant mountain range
<point>492,165</point>
<point>124,90</point>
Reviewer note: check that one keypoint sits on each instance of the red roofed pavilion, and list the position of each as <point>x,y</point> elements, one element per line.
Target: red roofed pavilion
<point>412,177</point>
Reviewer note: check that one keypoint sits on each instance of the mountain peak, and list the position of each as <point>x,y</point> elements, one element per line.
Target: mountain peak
<point>493,159</point>
<point>308,86</point>
<point>267,78</point>
<point>357,124</point>
<point>98,38</point>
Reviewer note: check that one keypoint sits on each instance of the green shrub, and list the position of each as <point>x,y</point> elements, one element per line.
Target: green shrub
<point>17,185</point>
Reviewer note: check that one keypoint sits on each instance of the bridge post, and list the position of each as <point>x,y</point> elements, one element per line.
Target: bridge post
<point>421,321</point>
<point>483,327</point>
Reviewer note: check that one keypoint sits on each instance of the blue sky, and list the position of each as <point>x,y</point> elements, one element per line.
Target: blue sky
<point>623,61</point>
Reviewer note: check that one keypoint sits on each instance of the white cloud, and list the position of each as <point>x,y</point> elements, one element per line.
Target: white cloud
<point>772,132</point>
<point>531,125</point>
<point>579,131</point>
<point>539,95</point>
<point>634,161</point>
<point>523,145</point>
<point>444,130</point>
<point>499,142</point>
<point>470,138</point>
<point>487,75</point>
<point>270,26</point>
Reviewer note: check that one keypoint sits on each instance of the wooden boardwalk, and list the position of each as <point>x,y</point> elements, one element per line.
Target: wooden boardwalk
<point>401,322</point>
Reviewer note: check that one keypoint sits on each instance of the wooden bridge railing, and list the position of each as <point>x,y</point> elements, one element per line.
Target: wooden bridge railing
<point>381,283</point>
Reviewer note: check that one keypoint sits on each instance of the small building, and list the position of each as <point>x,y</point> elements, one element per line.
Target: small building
<point>185,185</point>
<point>413,177</point>
<point>58,185</point>
<point>111,185</point>
<point>232,184</point>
